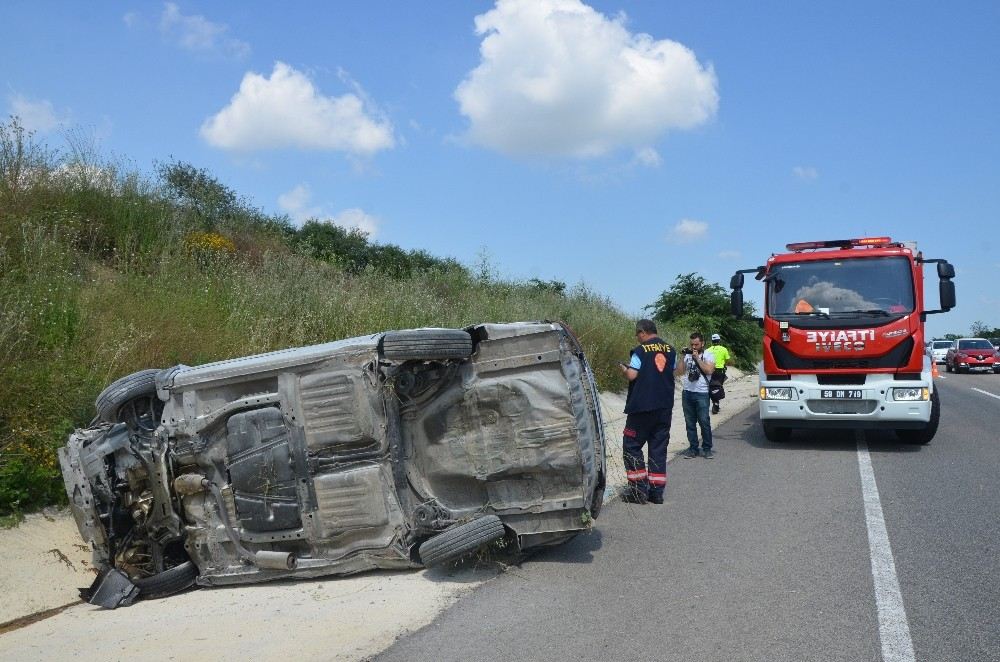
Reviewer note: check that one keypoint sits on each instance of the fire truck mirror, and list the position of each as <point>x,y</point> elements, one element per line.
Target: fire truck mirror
<point>736,302</point>
<point>945,270</point>
<point>736,282</point>
<point>947,292</point>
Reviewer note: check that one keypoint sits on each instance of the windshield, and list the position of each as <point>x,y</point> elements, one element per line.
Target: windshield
<point>856,287</point>
<point>942,344</point>
<point>974,344</point>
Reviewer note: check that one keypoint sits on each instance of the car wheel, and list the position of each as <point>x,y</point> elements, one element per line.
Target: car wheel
<point>168,582</point>
<point>426,344</point>
<point>130,399</point>
<point>925,434</point>
<point>947,367</point>
<point>777,434</point>
<point>455,542</point>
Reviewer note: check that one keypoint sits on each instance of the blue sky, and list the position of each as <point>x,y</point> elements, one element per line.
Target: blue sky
<point>615,143</point>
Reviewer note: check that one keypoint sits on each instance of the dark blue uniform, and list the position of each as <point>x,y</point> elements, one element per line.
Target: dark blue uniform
<point>649,406</point>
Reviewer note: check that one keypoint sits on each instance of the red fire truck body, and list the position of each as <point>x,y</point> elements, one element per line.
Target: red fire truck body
<point>844,338</point>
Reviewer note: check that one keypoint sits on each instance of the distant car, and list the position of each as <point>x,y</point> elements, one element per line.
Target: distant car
<point>995,342</point>
<point>393,450</point>
<point>938,349</point>
<point>972,355</point>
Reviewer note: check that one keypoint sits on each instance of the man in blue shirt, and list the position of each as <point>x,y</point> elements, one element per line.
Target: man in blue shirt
<point>650,401</point>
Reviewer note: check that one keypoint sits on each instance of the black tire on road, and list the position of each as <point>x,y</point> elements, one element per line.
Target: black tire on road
<point>924,435</point>
<point>426,345</point>
<point>455,542</point>
<point>168,582</point>
<point>121,391</point>
<point>776,434</point>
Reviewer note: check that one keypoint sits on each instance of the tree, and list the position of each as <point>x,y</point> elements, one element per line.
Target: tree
<point>694,304</point>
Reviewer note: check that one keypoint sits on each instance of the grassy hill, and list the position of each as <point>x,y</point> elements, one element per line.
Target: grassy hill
<point>105,271</point>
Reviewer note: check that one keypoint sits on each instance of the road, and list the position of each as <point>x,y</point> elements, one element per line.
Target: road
<point>770,552</point>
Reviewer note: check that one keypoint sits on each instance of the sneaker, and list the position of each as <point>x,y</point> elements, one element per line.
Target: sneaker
<point>656,498</point>
<point>708,454</point>
<point>715,409</point>
<point>691,452</point>
<point>634,496</point>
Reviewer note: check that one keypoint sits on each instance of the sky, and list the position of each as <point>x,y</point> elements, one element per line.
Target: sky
<point>614,144</point>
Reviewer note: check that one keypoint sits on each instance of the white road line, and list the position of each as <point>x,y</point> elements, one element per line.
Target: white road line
<point>992,395</point>
<point>894,631</point>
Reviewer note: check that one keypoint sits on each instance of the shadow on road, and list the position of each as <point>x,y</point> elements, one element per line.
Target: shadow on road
<point>881,441</point>
<point>578,550</point>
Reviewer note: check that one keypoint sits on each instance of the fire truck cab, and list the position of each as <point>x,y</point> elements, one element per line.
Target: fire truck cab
<point>843,346</point>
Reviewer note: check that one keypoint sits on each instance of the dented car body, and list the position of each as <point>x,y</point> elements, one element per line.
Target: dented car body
<point>384,451</point>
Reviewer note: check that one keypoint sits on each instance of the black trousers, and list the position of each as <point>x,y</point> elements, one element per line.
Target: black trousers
<point>652,429</point>
<point>718,377</point>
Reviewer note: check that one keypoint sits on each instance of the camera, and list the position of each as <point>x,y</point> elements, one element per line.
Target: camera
<point>686,350</point>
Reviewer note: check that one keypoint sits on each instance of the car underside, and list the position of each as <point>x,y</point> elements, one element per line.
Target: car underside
<point>393,450</point>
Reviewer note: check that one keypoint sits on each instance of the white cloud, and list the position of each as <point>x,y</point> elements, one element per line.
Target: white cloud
<point>35,114</point>
<point>649,157</point>
<point>557,78</point>
<point>297,203</point>
<point>198,34</point>
<point>805,173</point>
<point>286,110</point>
<point>688,230</point>
<point>729,255</point>
<point>131,19</point>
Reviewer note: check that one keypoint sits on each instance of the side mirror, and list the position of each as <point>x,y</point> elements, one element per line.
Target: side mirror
<point>736,302</point>
<point>945,270</point>
<point>947,292</point>
<point>736,282</point>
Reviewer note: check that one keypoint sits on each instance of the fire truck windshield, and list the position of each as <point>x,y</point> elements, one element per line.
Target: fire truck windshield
<point>846,288</point>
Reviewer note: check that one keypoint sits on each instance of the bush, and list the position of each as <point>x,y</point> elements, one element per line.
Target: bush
<point>693,304</point>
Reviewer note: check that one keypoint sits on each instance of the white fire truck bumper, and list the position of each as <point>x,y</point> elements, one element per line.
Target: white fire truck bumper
<point>881,402</point>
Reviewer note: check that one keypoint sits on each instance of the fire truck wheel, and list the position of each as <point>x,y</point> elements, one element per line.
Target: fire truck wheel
<point>924,435</point>
<point>776,434</point>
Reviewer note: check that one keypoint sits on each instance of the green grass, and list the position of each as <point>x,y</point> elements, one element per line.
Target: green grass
<point>98,279</point>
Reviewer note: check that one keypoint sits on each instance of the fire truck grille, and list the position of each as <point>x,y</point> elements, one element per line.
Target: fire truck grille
<point>841,406</point>
<point>897,357</point>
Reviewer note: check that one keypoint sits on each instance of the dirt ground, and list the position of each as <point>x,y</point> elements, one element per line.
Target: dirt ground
<point>352,618</point>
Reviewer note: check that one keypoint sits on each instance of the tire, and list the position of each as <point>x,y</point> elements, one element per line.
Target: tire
<point>168,582</point>
<point>121,391</point>
<point>457,541</point>
<point>925,434</point>
<point>776,434</point>
<point>947,367</point>
<point>426,345</point>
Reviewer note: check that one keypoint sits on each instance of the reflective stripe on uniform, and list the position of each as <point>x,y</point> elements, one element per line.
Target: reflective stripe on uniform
<point>638,474</point>
<point>657,479</point>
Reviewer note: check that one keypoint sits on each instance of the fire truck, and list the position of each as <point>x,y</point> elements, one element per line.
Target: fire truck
<point>843,328</point>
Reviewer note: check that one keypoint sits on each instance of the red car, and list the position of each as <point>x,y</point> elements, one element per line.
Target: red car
<point>971,354</point>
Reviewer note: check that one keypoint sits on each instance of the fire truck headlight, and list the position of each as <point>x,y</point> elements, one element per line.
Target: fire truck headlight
<point>911,394</point>
<point>776,393</point>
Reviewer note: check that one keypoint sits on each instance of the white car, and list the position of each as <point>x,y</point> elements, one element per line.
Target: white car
<point>937,349</point>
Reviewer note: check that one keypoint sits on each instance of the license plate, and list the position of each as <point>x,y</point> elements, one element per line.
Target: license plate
<point>842,394</point>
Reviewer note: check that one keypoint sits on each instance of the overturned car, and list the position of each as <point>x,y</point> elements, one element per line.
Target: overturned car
<point>393,450</point>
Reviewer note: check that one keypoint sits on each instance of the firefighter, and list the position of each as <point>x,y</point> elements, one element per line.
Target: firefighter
<point>650,402</point>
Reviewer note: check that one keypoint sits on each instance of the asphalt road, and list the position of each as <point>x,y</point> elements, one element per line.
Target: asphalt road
<point>764,554</point>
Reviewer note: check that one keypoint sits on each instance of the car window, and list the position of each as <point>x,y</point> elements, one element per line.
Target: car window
<point>942,344</point>
<point>974,344</point>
